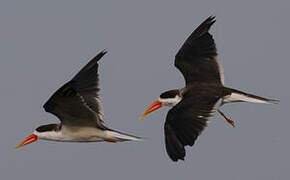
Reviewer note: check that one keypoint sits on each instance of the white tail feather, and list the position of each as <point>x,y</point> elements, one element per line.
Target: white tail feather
<point>121,136</point>
<point>236,97</point>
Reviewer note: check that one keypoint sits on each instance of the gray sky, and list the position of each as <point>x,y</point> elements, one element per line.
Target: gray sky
<point>44,43</point>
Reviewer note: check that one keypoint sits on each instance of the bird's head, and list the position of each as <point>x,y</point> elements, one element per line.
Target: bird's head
<point>42,132</point>
<point>169,98</point>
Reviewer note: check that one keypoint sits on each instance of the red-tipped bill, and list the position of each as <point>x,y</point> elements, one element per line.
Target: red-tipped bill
<point>30,139</point>
<point>156,105</point>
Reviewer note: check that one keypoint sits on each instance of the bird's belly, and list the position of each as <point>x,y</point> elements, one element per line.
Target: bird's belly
<point>82,134</point>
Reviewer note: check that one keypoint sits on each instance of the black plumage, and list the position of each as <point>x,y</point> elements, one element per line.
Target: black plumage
<point>77,102</point>
<point>189,117</point>
<point>196,59</point>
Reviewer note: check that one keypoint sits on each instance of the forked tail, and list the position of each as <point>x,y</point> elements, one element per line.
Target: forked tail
<point>119,136</point>
<point>239,96</point>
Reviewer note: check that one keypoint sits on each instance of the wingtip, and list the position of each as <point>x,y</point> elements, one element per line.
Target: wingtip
<point>100,55</point>
<point>205,26</point>
<point>209,21</point>
<point>104,51</point>
<point>212,17</point>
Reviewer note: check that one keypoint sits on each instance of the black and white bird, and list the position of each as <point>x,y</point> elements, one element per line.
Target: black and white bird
<point>202,96</point>
<point>78,106</point>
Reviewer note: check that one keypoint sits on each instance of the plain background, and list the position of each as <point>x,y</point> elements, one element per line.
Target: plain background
<point>44,43</point>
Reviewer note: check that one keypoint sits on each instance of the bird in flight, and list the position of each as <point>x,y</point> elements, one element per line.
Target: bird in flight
<point>202,95</point>
<point>78,106</point>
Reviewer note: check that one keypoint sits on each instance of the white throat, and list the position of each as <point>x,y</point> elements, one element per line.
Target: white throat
<point>50,135</point>
<point>170,101</point>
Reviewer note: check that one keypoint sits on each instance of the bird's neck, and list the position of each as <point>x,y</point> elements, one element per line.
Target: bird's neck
<point>170,101</point>
<point>50,135</point>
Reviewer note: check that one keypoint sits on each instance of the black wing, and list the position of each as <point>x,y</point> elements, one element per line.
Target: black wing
<point>78,102</point>
<point>197,57</point>
<point>185,122</point>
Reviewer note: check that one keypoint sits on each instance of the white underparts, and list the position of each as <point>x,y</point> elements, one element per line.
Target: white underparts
<point>83,134</point>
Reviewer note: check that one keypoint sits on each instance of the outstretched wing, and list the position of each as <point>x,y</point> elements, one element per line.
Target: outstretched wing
<point>185,122</point>
<point>196,59</point>
<point>78,102</point>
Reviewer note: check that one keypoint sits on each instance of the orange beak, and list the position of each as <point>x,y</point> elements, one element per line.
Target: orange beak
<point>156,105</point>
<point>30,139</point>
